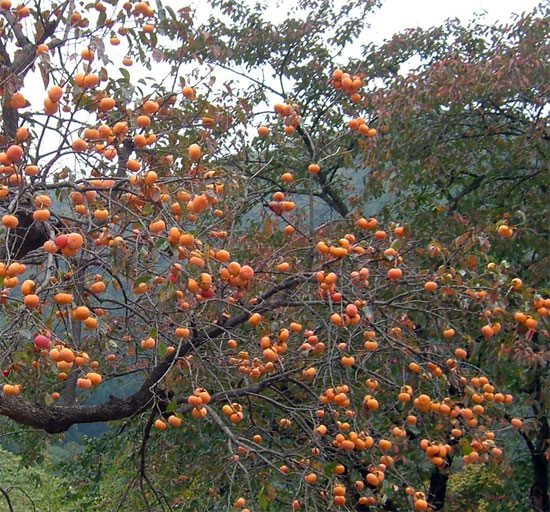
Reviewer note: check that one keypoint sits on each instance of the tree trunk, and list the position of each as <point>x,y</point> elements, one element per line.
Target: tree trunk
<point>539,490</point>
<point>438,488</point>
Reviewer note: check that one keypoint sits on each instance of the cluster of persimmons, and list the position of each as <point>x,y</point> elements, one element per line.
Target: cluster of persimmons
<point>203,269</point>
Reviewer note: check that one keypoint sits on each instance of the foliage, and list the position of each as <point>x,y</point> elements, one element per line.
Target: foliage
<point>482,488</point>
<point>34,486</point>
<point>468,132</point>
<point>186,256</point>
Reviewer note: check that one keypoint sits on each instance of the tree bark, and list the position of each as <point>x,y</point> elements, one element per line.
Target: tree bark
<point>538,494</point>
<point>539,490</point>
<point>58,418</point>
<point>438,489</point>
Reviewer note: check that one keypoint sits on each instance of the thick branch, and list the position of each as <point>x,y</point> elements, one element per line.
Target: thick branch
<point>26,237</point>
<point>7,496</point>
<point>21,62</point>
<point>252,389</point>
<point>438,488</point>
<point>58,418</point>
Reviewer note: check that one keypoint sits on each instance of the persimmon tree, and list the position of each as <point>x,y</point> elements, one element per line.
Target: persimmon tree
<point>208,242</point>
<point>470,145</point>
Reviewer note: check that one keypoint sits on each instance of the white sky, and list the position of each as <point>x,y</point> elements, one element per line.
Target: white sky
<point>396,15</point>
<point>392,17</point>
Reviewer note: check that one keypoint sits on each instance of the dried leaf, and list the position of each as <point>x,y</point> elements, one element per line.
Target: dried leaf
<point>268,227</point>
<point>461,239</point>
<point>157,55</point>
<point>45,73</point>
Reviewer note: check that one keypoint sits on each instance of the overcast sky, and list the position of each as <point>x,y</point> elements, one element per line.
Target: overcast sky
<point>395,15</point>
<point>392,17</point>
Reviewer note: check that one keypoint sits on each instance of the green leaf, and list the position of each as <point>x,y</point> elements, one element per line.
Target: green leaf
<point>263,499</point>
<point>126,75</point>
<point>161,244</point>
<point>328,468</point>
<point>162,349</point>
<point>171,12</point>
<point>348,159</point>
<point>20,356</point>
<point>147,209</point>
<point>101,18</point>
<point>171,407</point>
<point>142,279</point>
<point>397,244</point>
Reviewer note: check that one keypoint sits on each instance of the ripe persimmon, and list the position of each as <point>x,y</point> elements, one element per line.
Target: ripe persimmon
<point>42,200</point>
<point>143,121</point>
<point>63,298</point>
<point>74,241</point>
<point>194,152</point>
<point>421,504</point>
<point>460,353</point>
<point>160,425</point>
<point>254,319</point>
<point>395,274</point>
<point>430,286</point>
<point>148,343</point>
<point>150,107</point>
<point>11,390</point>
<point>107,104</point>
<point>101,214</point>
<point>14,152</point>
<point>55,93</point>
<point>188,92</point>
<point>79,145</point>
<point>87,54</point>
<point>133,165</point>
<point>83,382</point>
<point>81,313</point>
<point>157,226</point>
<point>174,421</point>
<point>91,80</point>
<point>10,221</point>
<point>487,331</point>
<point>448,333</point>
<point>31,300</point>
<point>150,178</point>
<point>22,133</point>
<point>140,141</point>
<point>41,215</point>
<point>17,101</point>
<point>310,478</point>
<point>182,332</point>
<point>95,378</point>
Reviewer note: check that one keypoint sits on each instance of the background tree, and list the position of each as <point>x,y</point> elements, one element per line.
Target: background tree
<point>195,261</point>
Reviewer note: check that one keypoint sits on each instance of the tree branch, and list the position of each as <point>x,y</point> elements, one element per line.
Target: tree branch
<point>58,418</point>
<point>7,496</point>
